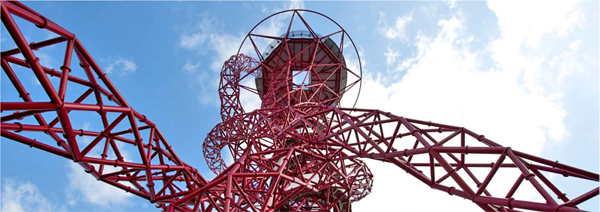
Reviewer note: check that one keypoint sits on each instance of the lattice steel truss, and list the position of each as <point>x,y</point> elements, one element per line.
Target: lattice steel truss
<point>299,152</point>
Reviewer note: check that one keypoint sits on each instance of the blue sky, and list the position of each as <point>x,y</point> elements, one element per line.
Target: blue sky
<point>522,73</point>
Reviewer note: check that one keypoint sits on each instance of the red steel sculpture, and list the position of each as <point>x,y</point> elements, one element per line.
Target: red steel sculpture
<point>300,151</point>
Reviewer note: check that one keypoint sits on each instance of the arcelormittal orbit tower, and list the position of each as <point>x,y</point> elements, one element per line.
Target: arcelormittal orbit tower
<point>300,151</point>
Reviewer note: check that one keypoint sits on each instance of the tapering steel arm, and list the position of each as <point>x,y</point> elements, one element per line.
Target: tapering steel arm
<point>153,172</point>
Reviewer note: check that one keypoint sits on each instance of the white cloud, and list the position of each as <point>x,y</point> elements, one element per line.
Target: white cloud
<point>398,30</point>
<point>120,66</point>
<point>296,4</point>
<point>192,41</point>
<point>519,48</point>
<point>451,3</point>
<point>201,33</point>
<point>3,37</point>
<point>191,68</point>
<point>24,196</point>
<point>225,45</point>
<point>391,57</point>
<point>428,10</point>
<point>519,23</point>
<point>567,62</point>
<point>263,9</point>
<point>93,191</point>
<point>45,59</point>
<point>86,126</point>
<point>209,85</point>
<point>517,102</point>
<point>34,80</point>
<point>249,100</point>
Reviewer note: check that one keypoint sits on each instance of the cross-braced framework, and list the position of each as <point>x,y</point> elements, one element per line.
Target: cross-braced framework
<point>300,151</point>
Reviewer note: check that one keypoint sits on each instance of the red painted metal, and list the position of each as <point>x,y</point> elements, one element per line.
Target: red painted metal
<point>300,151</point>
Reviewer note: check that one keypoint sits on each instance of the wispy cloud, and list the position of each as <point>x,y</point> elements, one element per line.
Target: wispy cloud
<point>527,41</point>
<point>391,57</point>
<point>192,41</point>
<point>222,45</point>
<point>20,196</point>
<point>45,59</point>
<point>296,4</point>
<point>191,68</point>
<point>120,66</point>
<point>559,17</point>
<point>398,30</point>
<point>451,3</point>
